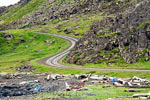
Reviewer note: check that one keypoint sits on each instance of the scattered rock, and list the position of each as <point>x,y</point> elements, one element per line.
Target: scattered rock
<point>22,41</point>
<point>74,85</point>
<point>107,85</point>
<point>26,46</point>
<point>76,34</point>
<point>134,90</point>
<point>38,50</point>
<point>67,31</point>
<point>146,95</point>
<point>25,68</point>
<point>82,76</point>
<point>29,84</point>
<point>47,41</point>
<point>7,36</point>
<point>34,36</point>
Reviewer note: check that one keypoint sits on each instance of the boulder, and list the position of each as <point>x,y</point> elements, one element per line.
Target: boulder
<point>141,95</point>
<point>67,31</point>
<point>96,77</point>
<point>25,68</point>
<point>7,36</point>
<point>76,34</point>
<point>134,90</point>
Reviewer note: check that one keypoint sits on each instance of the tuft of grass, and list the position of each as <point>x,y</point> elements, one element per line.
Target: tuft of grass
<point>142,25</point>
<point>112,34</point>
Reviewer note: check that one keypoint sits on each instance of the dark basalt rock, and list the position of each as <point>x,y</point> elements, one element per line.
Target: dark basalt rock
<point>126,36</point>
<point>7,35</point>
<point>2,10</point>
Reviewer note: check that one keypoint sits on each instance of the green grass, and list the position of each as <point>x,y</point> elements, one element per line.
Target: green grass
<point>138,65</point>
<point>19,12</point>
<point>114,62</point>
<point>21,55</point>
<point>50,69</point>
<point>94,92</point>
<point>14,54</point>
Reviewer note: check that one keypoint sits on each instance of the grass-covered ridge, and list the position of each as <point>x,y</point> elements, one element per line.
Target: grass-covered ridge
<point>18,13</point>
<point>25,47</point>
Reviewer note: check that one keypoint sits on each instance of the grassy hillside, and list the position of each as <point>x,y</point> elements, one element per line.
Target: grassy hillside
<point>28,47</point>
<point>13,54</point>
<point>25,47</point>
<point>76,25</point>
<point>17,12</point>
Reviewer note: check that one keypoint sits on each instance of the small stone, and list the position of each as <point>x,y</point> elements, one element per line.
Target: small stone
<point>38,50</point>
<point>76,34</point>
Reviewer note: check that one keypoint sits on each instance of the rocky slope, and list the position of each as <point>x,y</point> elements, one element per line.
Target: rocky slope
<point>122,38</point>
<point>2,10</point>
<point>58,9</point>
<point>7,9</point>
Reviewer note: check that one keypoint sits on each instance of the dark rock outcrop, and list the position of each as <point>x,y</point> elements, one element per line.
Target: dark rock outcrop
<point>124,37</point>
<point>7,35</point>
<point>2,10</point>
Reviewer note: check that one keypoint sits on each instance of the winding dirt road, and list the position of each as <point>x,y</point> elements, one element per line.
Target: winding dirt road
<point>55,60</point>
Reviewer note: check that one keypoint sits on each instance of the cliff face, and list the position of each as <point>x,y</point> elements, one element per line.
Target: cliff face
<point>124,38</point>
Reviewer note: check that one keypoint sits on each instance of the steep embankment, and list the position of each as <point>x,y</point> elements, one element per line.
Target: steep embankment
<point>120,39</point>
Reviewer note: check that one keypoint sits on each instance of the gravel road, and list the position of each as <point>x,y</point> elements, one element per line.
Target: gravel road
<point>55,60</point>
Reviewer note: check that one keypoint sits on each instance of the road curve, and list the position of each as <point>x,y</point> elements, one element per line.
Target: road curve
<point>55,60</point>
